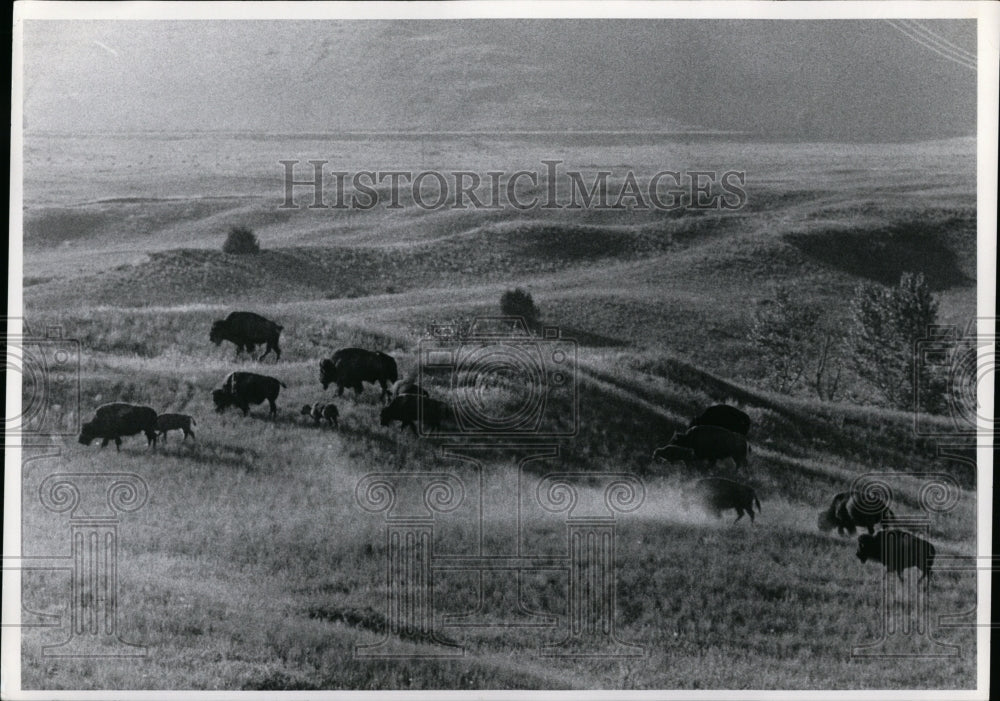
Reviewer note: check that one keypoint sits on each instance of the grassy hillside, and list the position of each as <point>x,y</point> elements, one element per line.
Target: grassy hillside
<point>252,566</point>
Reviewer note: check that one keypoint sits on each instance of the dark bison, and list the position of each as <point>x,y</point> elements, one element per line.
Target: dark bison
<point>674,453</point>
<point>349,367</point>
<point>724,416</point>
<point>715,494</point>
<point>407,386</point>
<point>320,411</point>
<point>712,443</point>
<point>848,512</point>
<point>241,389</point>
<point>112,421</point>
<point>175,422</point>
<point>897,550</point>
<point>407,409</point>
<point>247,330</point>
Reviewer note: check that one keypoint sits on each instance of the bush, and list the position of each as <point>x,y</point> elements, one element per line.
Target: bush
<point>887,322</point>
<point>796,344</point>
<point>517,302</point>
<point>241,241</point>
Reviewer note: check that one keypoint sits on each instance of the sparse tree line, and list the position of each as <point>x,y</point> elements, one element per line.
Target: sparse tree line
<point>877,342</point>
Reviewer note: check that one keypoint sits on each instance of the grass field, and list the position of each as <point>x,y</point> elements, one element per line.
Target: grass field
<point>252,567</point>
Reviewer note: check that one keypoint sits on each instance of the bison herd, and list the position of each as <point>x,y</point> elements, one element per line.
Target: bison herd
<point>719,433</point>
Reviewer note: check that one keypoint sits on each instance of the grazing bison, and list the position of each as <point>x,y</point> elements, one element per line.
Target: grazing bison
<point>407,386</point>
<point>848,512</point>
<point>897,550</point>
<point>724,416</point>
<point>407,408</point>
<point>712,443</point>
<point>247,330</point>
<point>175,422</point>
<point>716,494</point>
<point>112,421</point>
<point>320,411</point>
<point>241,389</point>
<point>674,453</point>
<point>349,367</point>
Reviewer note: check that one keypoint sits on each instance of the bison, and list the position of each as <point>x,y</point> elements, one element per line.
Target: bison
<point>349,367</point>
<point>112,421</point>
<point>407,386</point>
<point>724,416</point>
<point>674,453</point>
<point>175,422</point>
<point>897,550</point>
<point>716,494</point>
<point>320,411</point>
<point>241,389</point>
<point>712,443</point>
<point>848,512</point>
<point>247,330</point>
<point>409,408</point>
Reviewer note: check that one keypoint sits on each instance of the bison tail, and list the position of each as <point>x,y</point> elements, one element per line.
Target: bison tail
<point>888,513</point>
<point>757,502</point>
<point>279,327</point>
<point>282,384</point>
<point>749,449</point>
<point>193,422</point>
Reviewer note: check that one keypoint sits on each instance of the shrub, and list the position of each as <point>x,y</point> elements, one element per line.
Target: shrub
<point>886,324</point>
<point>518,302</point>
<point>796,344</point>
<point>241,241</point>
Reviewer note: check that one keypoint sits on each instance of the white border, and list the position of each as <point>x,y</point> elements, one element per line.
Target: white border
<point>988,15</point>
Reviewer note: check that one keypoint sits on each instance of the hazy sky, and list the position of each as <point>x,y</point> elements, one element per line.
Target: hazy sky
<point>826,79</point>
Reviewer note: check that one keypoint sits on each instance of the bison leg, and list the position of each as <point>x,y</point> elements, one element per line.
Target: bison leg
<point>245,408</point>
<point>104,443</point>
<point>739,514</point>
<point>163,435</point>
<point>151,439</point>
<point>274,407</point>
<point>340,390</point>
<point>358,389</point>
<point>118,444</point>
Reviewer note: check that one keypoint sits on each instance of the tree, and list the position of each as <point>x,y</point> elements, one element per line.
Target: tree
<point>793,341</point>
<point>886,324</point>
<point>518,302</point>
<point>241,240</point>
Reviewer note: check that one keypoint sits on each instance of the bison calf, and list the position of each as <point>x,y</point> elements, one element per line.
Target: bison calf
<point>320,411</point>
<point>175,422</point>
<point>847,512</point>
<point>716,494</point>
<point>112,421</point>
<point>897,550</point>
